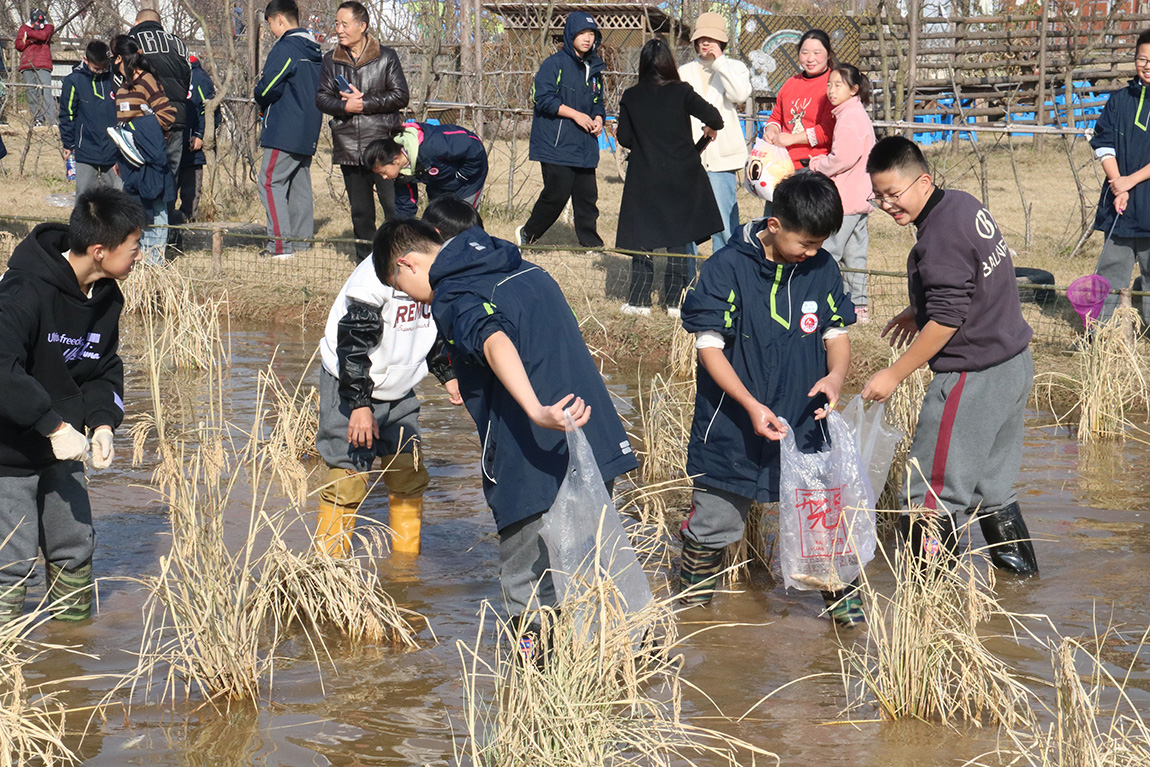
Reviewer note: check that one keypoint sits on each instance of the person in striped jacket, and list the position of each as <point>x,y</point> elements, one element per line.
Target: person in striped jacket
<point>291,125</point>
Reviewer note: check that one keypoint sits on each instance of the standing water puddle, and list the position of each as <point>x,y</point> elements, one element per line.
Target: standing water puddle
<point>379,706</point>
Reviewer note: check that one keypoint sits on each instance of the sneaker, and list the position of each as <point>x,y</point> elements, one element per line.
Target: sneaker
<point>673,312</point>
<point>519,236</point>
<point>635,311</point>
<point>862,314</point>
<point>126,143</point>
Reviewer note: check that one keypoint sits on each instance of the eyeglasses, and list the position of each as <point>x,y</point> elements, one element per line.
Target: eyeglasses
<point>879,201</point>
<point>1142,62</point>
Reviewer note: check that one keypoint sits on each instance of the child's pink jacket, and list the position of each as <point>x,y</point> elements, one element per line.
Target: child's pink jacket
<point>846,163</point>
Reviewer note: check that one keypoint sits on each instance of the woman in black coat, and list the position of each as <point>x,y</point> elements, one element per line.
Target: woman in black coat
<point>667,198</point>
<point>368,111</point>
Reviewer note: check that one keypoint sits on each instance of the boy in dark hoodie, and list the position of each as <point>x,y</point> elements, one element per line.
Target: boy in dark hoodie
<point>448,159</point>
<point>769,316</point>
<point>291,125</point>
<point>61,374</point>
<point>965,321</point>
<point>87,110</point>
<point>190,181</point>
<point>515,344</point>
<point>569,116</point>
<point>1122,144</point>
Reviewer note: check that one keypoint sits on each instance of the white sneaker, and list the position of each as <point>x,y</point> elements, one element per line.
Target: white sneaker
<point>862,315</point>
<point>673,312</point>
<point>519,236</point>
<point>635,311</point>
<point>126,143</point>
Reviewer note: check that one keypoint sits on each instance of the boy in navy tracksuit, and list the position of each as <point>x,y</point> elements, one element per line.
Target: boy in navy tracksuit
<point>87,110</point>
<point>1122,144</point>
<point>449,160</point>
<point>769,316</point>
<point>61,375</point>
<point>291,125</point>
<point>965,320</point>
<point>515,344</point>
<point>569,116</point>
<point>193,160</point>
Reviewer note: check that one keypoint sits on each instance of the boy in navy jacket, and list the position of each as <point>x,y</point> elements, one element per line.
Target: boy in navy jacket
<point>1122,144</point>
<point>192,161</point>
<point>291,124</point>
<point>61,375</point>
<point>965,320</point>
<point>449,160</point>
<point>769,316</point>
<point>87,110</point>
<point>515,345</point>
<point>569,116</point>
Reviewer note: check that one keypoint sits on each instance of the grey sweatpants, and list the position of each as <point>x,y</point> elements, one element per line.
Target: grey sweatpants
<point>49,511</point>
<point>398,428</point>
<point>969,438</point>
<point>1119,254</point>
<point>524,565</point>
<point>92,176</point>
<point>285,191</point>
<point>718,517</point>
<point>41,102</point>
<point>849,247</point>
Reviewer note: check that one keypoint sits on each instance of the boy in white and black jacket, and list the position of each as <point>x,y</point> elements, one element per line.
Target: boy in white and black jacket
<point>965,321</point>
<point>378,345</point>
<point>61,375</point>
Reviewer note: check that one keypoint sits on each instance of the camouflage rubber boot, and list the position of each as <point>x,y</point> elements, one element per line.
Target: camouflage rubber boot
<point>845,606</point>
<point>70,592</point>
<point>699,573</point>
<point>12,602</point>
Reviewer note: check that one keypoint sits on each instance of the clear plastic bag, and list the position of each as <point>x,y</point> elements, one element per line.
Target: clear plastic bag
<point>585,538</point>
<point>875,440</point>
<point>826,531</point>
<point>767,166</point>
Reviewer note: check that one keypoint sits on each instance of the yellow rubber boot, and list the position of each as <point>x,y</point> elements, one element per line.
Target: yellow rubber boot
<point>339,500</point>
<point>405,517</point>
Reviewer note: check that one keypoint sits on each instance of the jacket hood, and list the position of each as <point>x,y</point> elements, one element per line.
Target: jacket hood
<point>41,255</point>
<point>304,40</point>
<point>576,23</point>
<point>82,69</point>
<point>473,252</point>
<point>746,241</point>
<point>196,64</point>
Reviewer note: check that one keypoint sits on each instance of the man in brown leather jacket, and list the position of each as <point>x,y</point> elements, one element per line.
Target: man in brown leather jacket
<point>368,110</point>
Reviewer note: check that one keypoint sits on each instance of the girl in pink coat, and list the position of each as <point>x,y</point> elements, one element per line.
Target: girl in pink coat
<point>848,91</point>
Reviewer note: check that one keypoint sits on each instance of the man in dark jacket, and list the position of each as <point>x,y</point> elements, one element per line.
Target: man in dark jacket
<point>59,331</point>
<point>1122,143</point>
<point>33,40</point>
<point>191,177</point>
<point>167,55</point>
<point>448,159</point>
<point>368,110</point>
<point>569,115</point>
<point>87,110</point>
<point>291,124</point>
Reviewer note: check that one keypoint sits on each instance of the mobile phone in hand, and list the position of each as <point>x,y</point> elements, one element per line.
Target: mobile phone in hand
<point>343,84</point>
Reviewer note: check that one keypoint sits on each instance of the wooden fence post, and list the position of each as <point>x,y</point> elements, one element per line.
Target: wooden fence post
<point>913,7</point>
<point>217,251</point>
<point>1040,99</point>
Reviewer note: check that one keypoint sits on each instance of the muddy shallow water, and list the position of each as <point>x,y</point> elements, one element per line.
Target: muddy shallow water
<point>377,706</point>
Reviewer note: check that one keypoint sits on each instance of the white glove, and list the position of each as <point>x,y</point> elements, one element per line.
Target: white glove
<point>69,444</point>
<point>102,451</point>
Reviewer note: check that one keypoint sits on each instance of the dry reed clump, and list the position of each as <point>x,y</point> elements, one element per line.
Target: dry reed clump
<point>294,418</point>
<point>186,327</point>
<point>608,692</point>
<point>684,358</point>
<point>924,656</point>
<point>665,415</point>
<point>1108,382</point>
<point>1081,734</point>
<point>902,409</point>
<point>32,722</point>
<point>757,546</point>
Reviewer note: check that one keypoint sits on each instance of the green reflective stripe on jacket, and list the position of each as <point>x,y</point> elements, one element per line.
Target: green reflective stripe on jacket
<point>728,321</point>
<point>273,80</point>
<point>834,309</point>
<point>72,102</point>
<point>489,307</point>
<point>774,294</point>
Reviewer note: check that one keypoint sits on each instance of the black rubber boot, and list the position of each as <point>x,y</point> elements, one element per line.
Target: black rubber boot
<point>699,573</point>
<point>12,602</point>
<point>936,537</point>
<point>534,640</point>
<point>1008,539</point>
<point>70,592</point>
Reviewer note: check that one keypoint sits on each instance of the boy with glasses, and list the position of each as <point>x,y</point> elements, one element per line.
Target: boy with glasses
<point>1121,143</point>
<point>965,320</point>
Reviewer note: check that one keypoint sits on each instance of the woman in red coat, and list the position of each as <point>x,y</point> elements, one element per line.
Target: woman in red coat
<point>36,66</point>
